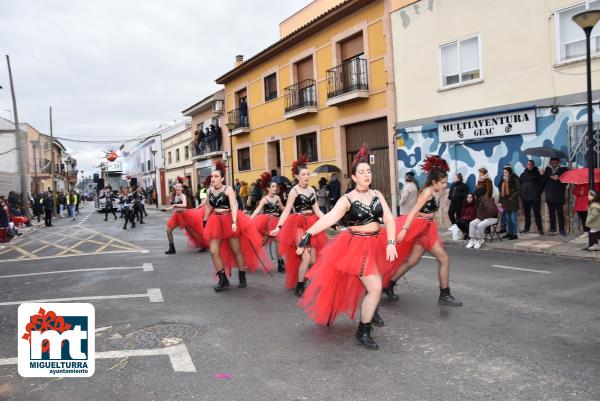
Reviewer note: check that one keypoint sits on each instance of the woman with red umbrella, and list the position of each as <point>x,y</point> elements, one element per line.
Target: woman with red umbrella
<point>581,188</point>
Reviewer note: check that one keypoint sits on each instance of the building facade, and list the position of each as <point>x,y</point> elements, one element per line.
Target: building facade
<point>483,89</point>
<point>322,90</point>
<point>177,154</point>
<point>209,143</point>
<point>9,161</point>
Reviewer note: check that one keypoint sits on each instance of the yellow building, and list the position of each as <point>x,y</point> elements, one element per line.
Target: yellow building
<point>322,90</point>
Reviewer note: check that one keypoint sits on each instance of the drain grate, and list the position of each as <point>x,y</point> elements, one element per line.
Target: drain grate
<point>160,335</point>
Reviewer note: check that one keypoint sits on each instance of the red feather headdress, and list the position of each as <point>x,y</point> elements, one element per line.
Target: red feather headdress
<point>265,179</point>
<point>301,162</point>
<point>434,161</point>
<point>221,167</point>
<point>362,156</point>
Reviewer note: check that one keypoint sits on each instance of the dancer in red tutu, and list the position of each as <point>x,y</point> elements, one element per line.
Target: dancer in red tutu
<point>292,226</point>
<point>352,266</point>
<point>418,232</point>
<point>233,240</point>
<point>188,220</point>
<point>178,206</point>
<point>266,215</point>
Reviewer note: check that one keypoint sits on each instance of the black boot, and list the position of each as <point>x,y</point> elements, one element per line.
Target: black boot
<point>223,282</point>
<point>171,249</point>
<point>377,320</point>
<point>389,291</point>
<point>280,266</point>
<point>299,289</point>
<point>447,299</point>
<point>363,336</point>
<point>243,283</point>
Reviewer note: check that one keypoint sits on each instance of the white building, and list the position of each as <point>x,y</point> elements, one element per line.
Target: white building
<point>9,160</point>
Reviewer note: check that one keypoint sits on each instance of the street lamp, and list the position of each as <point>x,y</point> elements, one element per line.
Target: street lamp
<point>230,127</point>
<point>153,151</point>
<point>587,20</point>
<point>68,162</point>
<point>81,181</point>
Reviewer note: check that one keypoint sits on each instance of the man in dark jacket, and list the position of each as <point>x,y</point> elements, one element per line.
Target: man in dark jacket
<point>532,185</point>
<point>555,195</point>
<point>457,194</point>
<point>48,202</point>
<point>334,188</point>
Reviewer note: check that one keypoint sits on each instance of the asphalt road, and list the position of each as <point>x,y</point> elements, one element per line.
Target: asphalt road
<point>521,335</point>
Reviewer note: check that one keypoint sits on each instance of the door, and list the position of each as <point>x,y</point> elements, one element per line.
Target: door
<point>374,134</point>
<point>273,157</point>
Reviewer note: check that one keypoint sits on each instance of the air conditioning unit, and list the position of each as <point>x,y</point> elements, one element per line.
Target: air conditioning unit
<point>218,106</point>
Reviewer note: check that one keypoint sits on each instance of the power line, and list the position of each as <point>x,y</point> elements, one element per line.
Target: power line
<point>8,151</point>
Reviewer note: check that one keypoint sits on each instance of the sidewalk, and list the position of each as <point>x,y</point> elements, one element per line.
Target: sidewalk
<point>570,246</point>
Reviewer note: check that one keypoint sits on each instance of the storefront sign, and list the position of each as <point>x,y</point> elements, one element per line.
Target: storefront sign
<point>511,123</point>
<point>114,167</point>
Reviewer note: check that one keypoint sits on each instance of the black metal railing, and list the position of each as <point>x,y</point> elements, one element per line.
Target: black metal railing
<point>207,144</point>
<point>347,77</point>
<point>301,94</point>
<point>239,117</point>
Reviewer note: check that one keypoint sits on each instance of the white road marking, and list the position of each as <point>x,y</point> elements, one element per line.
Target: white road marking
<point>153,295</point>
<point>180,358</point>
<point>147,267</point>
<point>71,256</point>
<point>521,269</point>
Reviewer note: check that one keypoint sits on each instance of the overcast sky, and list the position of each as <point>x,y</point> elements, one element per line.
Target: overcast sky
<point>118,68</point>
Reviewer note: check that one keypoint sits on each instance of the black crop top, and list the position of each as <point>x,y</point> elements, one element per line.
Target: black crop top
<point>431,206</point>
<point>271,208</point>
<point>220,201</point>
<point>177,200</point>
<point>360,214</point>
<point>303,203</point>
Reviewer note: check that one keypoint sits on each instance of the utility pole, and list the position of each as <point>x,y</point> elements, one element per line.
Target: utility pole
<point>52,156</point>
<point>21,143</point>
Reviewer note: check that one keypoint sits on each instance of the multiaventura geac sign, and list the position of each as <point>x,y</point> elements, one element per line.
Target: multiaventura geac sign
<point>517,122</point>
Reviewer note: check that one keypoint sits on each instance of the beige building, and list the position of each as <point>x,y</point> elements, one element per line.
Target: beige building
<point>65,166</point>
<point>208,144</point>
<point>177,151</point>
<point>478,82</point>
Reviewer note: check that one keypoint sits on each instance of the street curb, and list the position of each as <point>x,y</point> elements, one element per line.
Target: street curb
<point>595,256</point>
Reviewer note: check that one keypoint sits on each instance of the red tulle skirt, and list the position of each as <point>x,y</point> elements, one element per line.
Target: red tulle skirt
<point>421,231</point>
<point>218,226</point>
<point>335,286</point>
<point>265,223</point>
<point>190,221</point>
<point>290,234</point>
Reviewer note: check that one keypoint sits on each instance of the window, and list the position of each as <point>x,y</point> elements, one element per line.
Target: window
<point>304,69</point>
<point>571,38</point>
<point>460,61</point>
<point>169,158</point>
<point>142,167</point>
<point>216,121</point>
<point>307,145</point>
<point>352,47</point>
<point>243,159</point>
<point>187,152</point>
<point>149,165</point>
<point>270,87</point>
<point>176,155</point>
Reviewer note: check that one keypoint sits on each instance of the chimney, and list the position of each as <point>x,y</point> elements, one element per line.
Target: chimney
<point>239,59</point>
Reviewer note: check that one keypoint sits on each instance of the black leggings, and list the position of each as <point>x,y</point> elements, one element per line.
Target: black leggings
<point>108,210</point>
<point>593,238</point>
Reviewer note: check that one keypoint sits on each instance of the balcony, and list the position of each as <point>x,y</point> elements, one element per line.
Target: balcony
<point>207,147</point>
<point>347,82</point>
<point>239,120</point>
<point>300,99</point>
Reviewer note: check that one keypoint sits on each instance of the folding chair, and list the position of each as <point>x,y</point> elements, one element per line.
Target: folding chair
<point>492,230</point>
